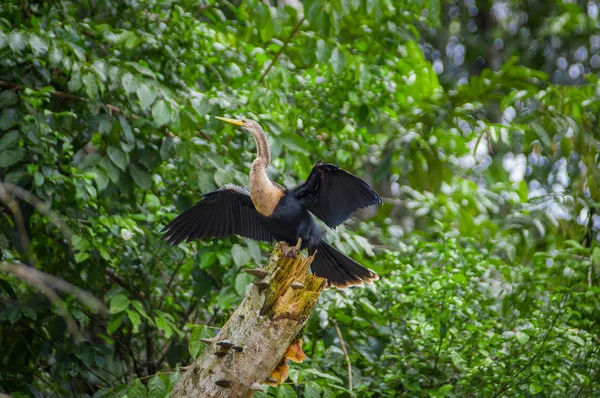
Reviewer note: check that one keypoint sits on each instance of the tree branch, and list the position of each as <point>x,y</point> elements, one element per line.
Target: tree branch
<point>68,96</point>
<point>123,283</point>
<point>38,204</point>
<point>343,345</point>
<point>294,31</point>
<point>258,337</point>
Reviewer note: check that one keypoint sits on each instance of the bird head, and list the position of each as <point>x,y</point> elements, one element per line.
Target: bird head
<point>262,146</point>
<point>247,124</point>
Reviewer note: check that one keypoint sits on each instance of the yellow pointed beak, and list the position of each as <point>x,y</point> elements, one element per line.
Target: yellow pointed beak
<point>232,121</point>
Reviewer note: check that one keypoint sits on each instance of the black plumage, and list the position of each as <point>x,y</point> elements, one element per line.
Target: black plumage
<point>224,212</point>
<point>269,212</point>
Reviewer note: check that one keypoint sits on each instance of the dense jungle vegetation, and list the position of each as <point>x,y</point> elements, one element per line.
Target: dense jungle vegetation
<point>477,121</point>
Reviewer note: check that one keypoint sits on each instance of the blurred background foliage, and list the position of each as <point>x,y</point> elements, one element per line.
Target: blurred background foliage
<point>476,120</point>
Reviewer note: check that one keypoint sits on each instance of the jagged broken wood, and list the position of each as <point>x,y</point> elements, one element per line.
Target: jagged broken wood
<point>259,332</point>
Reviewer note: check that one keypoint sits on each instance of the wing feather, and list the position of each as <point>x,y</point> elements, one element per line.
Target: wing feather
<point>226,211</point>
<point>333,194</point>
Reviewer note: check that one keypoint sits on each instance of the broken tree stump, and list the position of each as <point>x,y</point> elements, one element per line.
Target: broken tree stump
<point>252,343</point>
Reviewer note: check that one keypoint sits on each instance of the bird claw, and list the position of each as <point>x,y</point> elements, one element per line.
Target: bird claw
<point>291,251</point>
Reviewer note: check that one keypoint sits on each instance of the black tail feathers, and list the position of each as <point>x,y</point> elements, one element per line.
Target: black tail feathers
<point>339,270</point>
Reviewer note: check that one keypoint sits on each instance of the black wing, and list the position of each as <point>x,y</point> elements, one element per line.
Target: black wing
<point>333,194</point>
<point>226,211</point>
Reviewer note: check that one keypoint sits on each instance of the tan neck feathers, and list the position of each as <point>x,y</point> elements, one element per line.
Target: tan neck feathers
<point>264,194</point>
<point>262,146</point>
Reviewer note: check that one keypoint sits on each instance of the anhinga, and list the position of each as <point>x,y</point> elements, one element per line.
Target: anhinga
<point>268,211</point>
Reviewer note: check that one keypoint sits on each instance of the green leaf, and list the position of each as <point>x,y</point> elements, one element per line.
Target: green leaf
<point>141,177</point>
<point>338,60</point>
<point>81,257</point>
<point>174,378</point>
<point>157,388</point>
<point>90,84</point>
<point>240,255</point>
<point>146,95</point>
<point>207,259</point>
<point>8,98</point>
<point>136,390</point>
<point>443,390</point>
<point>295,142</point>
<point>111,170</point>
<point>576,339</point>
<point>535,388</point>
<point>140,308</point>
<point>142,69</point>
<point>118,303</point>
<point>119,157</point>
<point>285,391</point>
<point>38,45</point>
<point>323,51</point>
<point>195,345</point>
<point>8,119</point>
<point>129,83</point>
<point>323,375</point>
<point>16,41</point>
<point>9,157</point>
<point>126,129</point>
<point>434,12</point>
<point>222,177</point>
<point>38,179</point>
<point>9,139</point>
<point>135,319</point>
<point>164,325</point>
<point>265,21</point>
<point>80,243</point>
<point>161,113</point>
<point>114,324</point>
<point>242,280</point>
<point>522,337</point>
<point>312,390</point>
<point>411,385</point>
<point>596,257</point>
<point>318,16</point>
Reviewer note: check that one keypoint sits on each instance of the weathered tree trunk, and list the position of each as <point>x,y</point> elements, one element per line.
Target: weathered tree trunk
<point>254,340</point>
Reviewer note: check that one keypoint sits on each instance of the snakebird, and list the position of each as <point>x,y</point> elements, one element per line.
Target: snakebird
<point>270,212</point>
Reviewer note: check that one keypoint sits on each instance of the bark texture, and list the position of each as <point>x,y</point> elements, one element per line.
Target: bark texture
<point>254,340</point>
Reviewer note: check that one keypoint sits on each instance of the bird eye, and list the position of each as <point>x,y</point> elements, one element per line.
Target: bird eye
<point>244,121</point>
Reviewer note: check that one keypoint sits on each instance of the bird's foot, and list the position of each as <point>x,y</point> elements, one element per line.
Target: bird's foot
<point>288,251</point>
<point>291,251</point>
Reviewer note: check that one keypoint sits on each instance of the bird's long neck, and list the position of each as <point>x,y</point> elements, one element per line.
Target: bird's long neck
<point>263,153</point>
<point>264,194</point>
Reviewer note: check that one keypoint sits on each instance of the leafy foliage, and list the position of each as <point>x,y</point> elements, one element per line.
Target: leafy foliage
<point>487,243</point>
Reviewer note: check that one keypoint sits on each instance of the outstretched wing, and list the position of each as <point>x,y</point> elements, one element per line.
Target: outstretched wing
<point>226,211</point>
<point>333,194</point>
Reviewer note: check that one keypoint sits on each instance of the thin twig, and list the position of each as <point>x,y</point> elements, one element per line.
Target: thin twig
<point>27,12</point>
<point>39,280</point>
<point>39,206</point>
<point>506,386</point>
<point>294,31</point>
<point>28,275</point>
<point>125,284</point>
<point>56,283</point>
<point>168,287</point>
<point>343,345</point>
<point>69,96</point>
<point>19,222</point>
<point>483,133</point>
